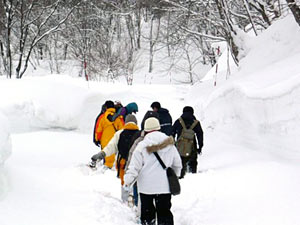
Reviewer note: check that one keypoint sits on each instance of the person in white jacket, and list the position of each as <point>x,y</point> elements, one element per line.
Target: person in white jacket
<point>120,144</point>
<point>151,178</point>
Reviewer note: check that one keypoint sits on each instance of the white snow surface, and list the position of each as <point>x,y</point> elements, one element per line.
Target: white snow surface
<point>248,173</point>
<point>5,140</point>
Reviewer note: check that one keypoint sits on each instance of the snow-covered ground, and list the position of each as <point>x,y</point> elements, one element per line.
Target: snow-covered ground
<point>248,173</point>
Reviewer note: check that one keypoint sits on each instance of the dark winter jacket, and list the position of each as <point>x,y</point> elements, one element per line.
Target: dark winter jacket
<point>188,119</point>
<point>165,121</point>
<point>149,114</point>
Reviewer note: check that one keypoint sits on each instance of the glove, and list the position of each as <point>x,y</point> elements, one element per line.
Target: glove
<point>199,150</point>
<point>99,156</point>
<point>127,188</point>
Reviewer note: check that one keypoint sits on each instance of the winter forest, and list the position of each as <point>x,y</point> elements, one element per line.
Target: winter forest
<point>235,62</point>
<point>104,37</point>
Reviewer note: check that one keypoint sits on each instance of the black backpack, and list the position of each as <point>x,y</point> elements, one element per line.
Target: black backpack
<point>125,142</point>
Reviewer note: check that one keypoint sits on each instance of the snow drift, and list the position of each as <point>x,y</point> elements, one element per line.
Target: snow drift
<point>5,141</point>
<point>262,97</point>
<point>5,150</point>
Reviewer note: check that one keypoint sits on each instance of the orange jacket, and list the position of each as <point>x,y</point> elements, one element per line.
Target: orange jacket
<point>105,129</point>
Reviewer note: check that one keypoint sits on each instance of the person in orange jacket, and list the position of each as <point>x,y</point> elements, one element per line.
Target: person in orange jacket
<point>106,128</point>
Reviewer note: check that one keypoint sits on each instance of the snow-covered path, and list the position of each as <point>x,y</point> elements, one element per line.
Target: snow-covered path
<point>50,186</point>
<point>235,185</point>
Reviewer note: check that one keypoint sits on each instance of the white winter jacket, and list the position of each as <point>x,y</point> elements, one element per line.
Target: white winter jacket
<point>112,146</point>
<point>146,169</point>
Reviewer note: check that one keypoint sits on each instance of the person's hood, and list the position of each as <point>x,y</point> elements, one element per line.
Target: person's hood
<point>132,107</point>
<point>130,126</point>
<point>157,141</point>
<point>111,110</point>
<point>163,110</point>
<point>188,116</point>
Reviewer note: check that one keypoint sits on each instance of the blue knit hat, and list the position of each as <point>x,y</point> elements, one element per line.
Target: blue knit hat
<point>132,107</point>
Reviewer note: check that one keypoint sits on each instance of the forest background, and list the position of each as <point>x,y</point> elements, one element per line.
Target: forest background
<point>110,39</point>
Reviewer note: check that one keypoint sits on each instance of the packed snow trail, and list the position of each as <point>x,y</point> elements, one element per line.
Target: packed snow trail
<point>235,185</point>
<point>49,187</point>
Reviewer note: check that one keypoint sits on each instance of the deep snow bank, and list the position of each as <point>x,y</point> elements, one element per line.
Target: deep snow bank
<point>262,97</point>
<point>62,102</point>
<point>5,150</point>
<point>5,141</point>
<point>44,102</point>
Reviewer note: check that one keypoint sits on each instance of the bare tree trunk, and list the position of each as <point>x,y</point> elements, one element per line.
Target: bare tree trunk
<point>138,23</point>
<point>152,42</point>
<point>7,37</point>
<point>229,31</point>
<point>130,30</point>
<point>250,17</point>
<point>261,9</point>
<point>168,34</point>
<point>151,47</point>
<point>50,60</point>
<point>190,66</point>
<point>8,51</point>
<point>56,59</point>
<point>295,10</point>
<point>65,51</point>
<point>22,39</point>
<point>2,32</point>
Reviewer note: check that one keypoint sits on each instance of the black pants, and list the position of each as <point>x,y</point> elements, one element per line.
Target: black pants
<point>161,209</point>
<point>190,162</point>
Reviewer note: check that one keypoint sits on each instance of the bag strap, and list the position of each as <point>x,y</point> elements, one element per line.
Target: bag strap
<point>160,161</point>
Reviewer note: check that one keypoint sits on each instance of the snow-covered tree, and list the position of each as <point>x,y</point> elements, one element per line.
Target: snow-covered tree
<point>294,5</point>
<point>26,24</point>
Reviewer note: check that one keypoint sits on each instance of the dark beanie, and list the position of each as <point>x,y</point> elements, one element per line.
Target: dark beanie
<point>109,104</point>
<point>155,105</point>
<point>188,109</point>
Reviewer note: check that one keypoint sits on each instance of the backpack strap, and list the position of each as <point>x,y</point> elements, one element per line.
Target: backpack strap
<point>194,124</point>
<point>118,164</point>
<point>110,119</point>
<point>183,124</point>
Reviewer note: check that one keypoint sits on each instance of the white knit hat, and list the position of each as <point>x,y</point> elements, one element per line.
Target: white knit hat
<point>152,124</point>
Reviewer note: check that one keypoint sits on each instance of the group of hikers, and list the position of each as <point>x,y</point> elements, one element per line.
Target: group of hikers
<point>135,152</point>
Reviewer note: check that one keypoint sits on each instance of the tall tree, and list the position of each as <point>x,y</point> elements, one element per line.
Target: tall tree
<point>295,8</point>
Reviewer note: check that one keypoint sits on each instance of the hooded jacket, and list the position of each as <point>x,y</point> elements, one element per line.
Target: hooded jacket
<point>113,147</point>
<point>105,129</point>
<point>145,168</point>
<point>165,121</point>
<point>124,111</point>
